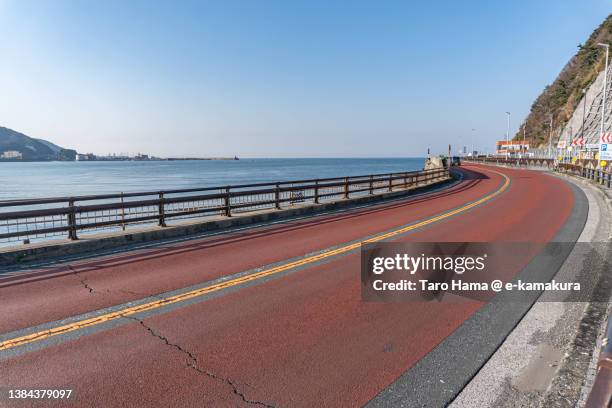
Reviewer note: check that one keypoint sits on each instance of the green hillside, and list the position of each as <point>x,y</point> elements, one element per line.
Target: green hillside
<point>563,95</point>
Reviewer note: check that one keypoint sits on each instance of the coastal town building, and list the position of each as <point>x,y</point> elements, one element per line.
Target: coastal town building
<point>11,155</point>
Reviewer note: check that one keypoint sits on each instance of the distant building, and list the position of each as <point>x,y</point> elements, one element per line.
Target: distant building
<point>510,147</point>
<point>11,155</point>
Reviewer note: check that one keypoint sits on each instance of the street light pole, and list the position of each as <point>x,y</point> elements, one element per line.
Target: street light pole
<point>473,137</point>
<point>508,135</point>
<point>524,138</point>
<point>603,99</point>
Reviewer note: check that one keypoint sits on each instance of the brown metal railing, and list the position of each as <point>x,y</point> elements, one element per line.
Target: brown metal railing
<point>601,393</point>
<point>70,216</point>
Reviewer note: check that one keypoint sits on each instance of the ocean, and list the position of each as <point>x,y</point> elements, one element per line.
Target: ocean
<point>50,179</point>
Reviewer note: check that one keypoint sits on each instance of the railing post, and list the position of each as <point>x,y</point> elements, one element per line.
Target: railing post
<point>346,187</point>
<point>391,182</point>
<point>227,202</point>
<point>371,185</point>
<point>277,197</point>
<point>316,192</point>
<point>72,232</point>
<point>405,181</point>
<point>161,210</point>
<point>122,213</point>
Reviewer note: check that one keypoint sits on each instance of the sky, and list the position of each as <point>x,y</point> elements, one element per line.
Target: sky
<point>281,78</point>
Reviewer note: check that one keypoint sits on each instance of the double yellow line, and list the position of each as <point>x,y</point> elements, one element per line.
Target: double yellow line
<point>41,335</point>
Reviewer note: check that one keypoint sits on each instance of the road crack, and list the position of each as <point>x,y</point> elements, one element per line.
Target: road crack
<point>192,359</point>
<point>81,278</point>
<point>193,364</point>
<point>92,290</point>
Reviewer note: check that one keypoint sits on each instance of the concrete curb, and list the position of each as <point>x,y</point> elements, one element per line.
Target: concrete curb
<point>46,251</point>
<point>593,367</point>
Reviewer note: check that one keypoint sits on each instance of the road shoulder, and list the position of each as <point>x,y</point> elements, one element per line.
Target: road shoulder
<point>439,377</point>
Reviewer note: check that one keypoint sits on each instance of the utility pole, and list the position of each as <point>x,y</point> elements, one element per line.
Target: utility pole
<point>550,136</point>
<point>566,153</point>
<point>583,111</point>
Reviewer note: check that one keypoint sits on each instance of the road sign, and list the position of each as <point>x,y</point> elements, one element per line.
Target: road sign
<point>605,137</point>
<point>561,144</point>
<point>605,151</point>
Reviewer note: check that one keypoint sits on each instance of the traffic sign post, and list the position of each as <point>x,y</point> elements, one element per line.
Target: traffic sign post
<point>605,146</point>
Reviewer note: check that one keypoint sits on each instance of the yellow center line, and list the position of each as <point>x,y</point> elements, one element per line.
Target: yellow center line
<point>41,335</point>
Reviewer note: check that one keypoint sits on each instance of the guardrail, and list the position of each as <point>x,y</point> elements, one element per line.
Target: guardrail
<point>600,176</point>
<point>70,216</point>
<point>585,168</point>
<point>549,163</point>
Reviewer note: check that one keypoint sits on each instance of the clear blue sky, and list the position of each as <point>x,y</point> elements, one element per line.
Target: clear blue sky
<point>280,78</point>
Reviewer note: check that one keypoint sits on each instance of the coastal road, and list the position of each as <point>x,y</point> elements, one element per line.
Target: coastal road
<point>270,315</point>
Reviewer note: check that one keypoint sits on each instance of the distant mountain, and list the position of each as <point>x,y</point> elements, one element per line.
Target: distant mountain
<point>32,149</point>
<point>50,145</point>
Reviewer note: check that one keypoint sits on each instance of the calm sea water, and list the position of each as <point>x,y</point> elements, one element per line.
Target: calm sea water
<point>44,179</point>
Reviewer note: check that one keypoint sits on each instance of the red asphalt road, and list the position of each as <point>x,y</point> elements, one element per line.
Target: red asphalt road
<point>304,339</point>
